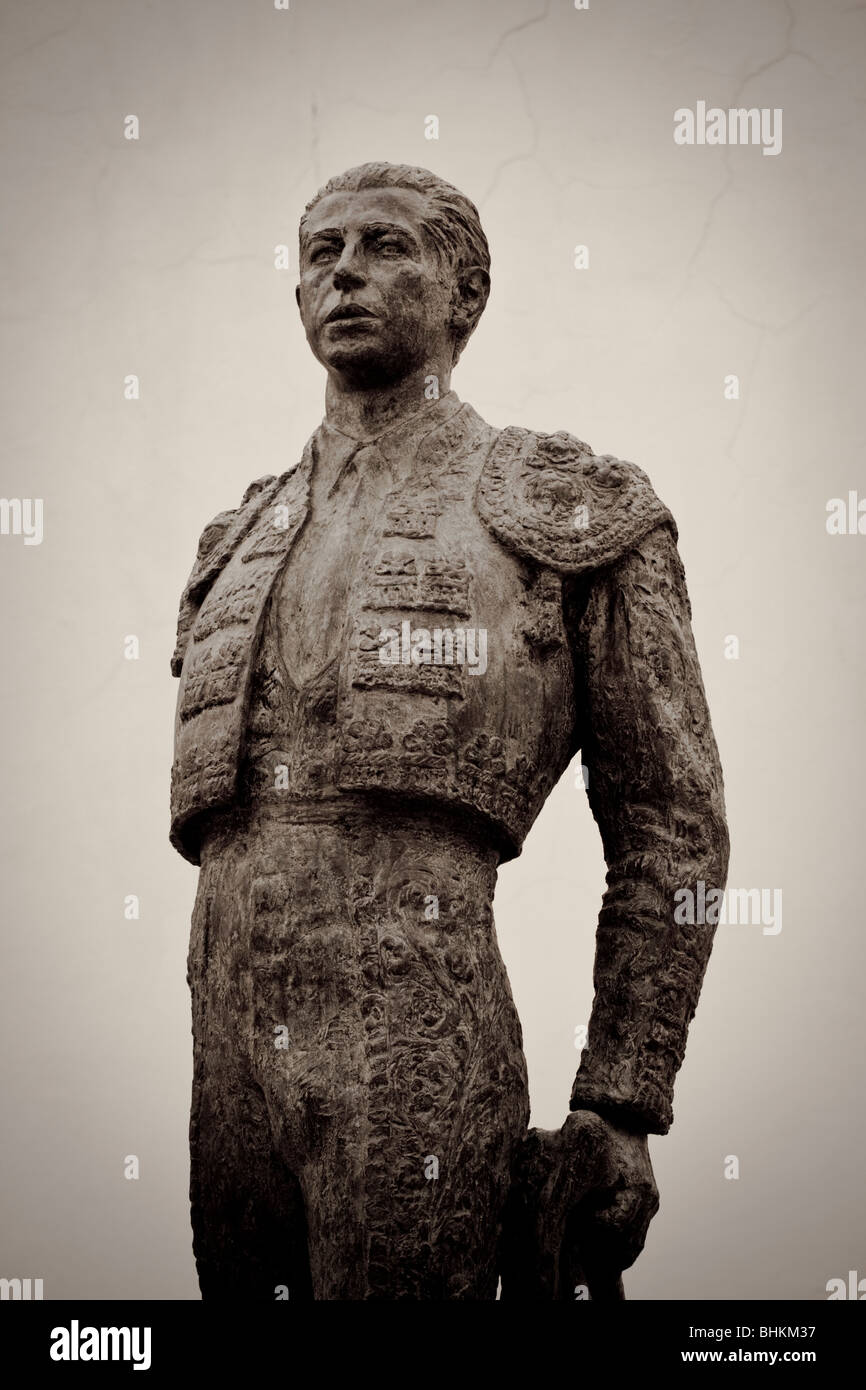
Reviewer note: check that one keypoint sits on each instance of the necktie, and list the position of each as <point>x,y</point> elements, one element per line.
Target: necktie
<point>314,593</point>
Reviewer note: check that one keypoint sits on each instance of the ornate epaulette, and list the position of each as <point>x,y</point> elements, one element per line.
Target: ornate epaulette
<point>217,544</point>
<point>550,498</point>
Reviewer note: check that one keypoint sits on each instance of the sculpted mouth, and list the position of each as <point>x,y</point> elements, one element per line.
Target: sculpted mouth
<point>349,311</point>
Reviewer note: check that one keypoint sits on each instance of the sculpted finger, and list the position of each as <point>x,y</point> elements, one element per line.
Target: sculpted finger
<point>614,1233</point>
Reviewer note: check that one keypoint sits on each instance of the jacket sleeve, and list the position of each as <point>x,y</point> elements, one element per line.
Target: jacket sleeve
<point>215,547</point>
<point>655,789</point>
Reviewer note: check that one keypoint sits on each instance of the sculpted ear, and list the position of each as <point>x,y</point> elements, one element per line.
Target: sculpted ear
<point>298,295</point>
<point>470,297</point>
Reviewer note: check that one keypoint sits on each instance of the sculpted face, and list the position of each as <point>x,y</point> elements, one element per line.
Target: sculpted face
<point>374,302</point>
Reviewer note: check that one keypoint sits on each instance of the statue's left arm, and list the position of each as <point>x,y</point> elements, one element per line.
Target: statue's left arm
<point>654,780</point>
<point>655,788</point>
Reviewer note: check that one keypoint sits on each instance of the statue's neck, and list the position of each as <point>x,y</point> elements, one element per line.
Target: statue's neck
<point>365,413</point>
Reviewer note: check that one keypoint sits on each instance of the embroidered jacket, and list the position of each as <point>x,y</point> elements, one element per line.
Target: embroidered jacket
<point>567,563</point>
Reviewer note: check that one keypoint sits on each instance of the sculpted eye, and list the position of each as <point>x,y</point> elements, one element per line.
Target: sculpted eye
<point>323,252</point>
<point>391,246</point>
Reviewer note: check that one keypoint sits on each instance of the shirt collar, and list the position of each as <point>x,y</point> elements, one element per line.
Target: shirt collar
<point>397,442</point>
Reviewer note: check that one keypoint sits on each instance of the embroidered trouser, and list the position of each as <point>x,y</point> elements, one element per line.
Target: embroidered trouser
<point>359,1082</point>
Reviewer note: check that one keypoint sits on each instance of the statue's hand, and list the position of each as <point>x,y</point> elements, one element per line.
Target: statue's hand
<point>608,1227</point>
<point>581,1201</point>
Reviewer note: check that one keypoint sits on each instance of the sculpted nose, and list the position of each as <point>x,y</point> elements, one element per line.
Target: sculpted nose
<point>349,272</point>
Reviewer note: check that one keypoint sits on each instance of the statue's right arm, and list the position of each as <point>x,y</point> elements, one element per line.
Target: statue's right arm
<point>197,585</point>
<point>215,546</point>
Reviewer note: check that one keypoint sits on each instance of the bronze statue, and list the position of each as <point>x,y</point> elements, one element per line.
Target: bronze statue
<point>388,656</point>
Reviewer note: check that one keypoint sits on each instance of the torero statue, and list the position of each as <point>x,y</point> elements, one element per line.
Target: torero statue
<point>388,656</point>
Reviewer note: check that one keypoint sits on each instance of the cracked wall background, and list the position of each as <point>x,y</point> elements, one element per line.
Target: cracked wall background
<point>156,258</point>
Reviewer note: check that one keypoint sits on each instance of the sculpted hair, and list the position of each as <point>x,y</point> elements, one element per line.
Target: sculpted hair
<point>451,224</point>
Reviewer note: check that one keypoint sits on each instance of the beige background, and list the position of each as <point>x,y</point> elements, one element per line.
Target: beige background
<point>156,258</point>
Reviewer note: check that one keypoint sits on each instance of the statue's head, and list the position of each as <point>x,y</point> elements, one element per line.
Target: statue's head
<point>394,273</point>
